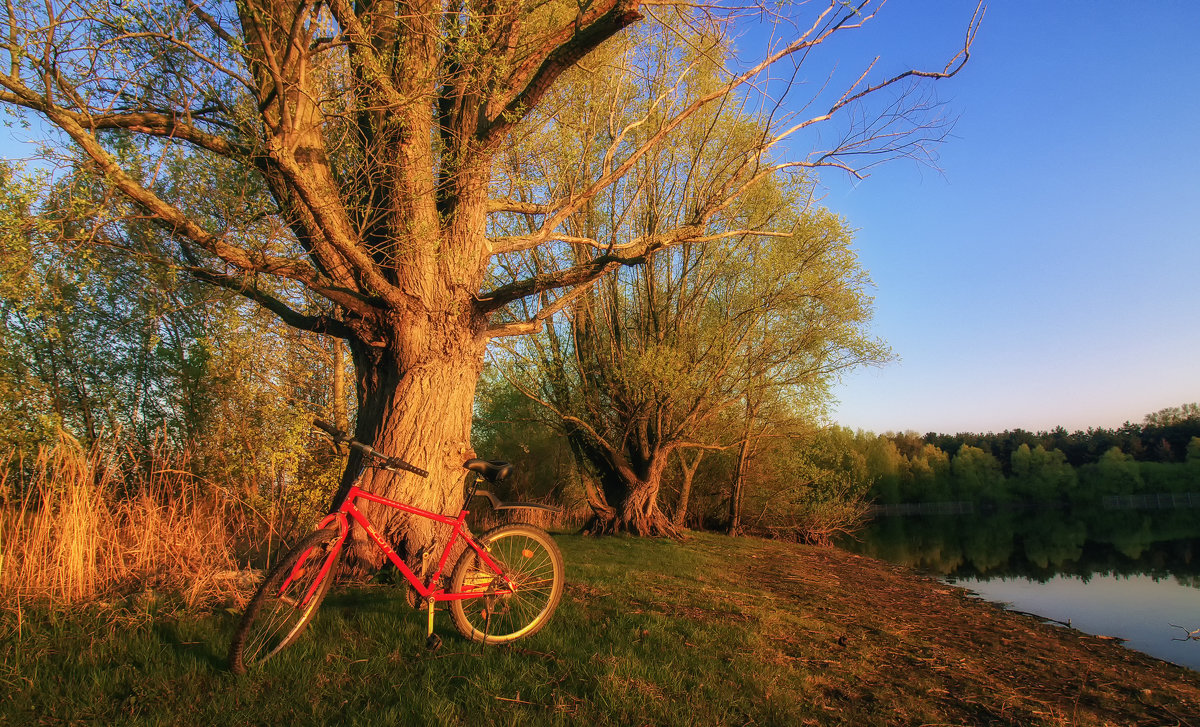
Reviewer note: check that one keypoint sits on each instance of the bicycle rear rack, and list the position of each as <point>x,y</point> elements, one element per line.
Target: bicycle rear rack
<point>498,505</point>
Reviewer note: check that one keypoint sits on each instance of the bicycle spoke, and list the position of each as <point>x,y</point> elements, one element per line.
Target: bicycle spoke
<point>521,592</point>
<point>286,601</point>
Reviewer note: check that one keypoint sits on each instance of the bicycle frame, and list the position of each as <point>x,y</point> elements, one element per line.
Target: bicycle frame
<point>517,570</point>
<point>348,512</point>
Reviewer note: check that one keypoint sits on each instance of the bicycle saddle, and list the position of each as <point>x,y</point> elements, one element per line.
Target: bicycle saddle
<point>492,471</point>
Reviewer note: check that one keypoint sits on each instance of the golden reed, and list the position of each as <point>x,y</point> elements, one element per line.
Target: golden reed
<point>80,524</point>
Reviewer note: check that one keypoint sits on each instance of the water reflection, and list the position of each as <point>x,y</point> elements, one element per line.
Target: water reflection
<point>1040,544</point>
<point>1124,573</point>
<point>1139,609</point>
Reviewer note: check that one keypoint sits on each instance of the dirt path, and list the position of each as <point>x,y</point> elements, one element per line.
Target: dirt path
<point>911,642</point>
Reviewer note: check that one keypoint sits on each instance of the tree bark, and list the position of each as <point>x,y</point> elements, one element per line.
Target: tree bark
<point>735,491</point>
<point>685,489</point>
<point>414,404</point>
<point>624,502</point>
<point>738,486</point>
<point>341,418</point>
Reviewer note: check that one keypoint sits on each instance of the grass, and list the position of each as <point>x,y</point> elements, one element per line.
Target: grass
<point>711,631</point>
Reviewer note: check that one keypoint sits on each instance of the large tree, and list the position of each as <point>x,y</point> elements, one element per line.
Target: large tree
<point>334,162</point>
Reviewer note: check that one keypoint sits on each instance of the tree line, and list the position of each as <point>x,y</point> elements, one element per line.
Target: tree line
<point>1162,454</point>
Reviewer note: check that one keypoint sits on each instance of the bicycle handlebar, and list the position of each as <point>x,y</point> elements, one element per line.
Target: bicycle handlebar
<point>388,462</point>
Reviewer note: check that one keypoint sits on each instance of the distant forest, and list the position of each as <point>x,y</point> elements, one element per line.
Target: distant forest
<point>1160,455</point>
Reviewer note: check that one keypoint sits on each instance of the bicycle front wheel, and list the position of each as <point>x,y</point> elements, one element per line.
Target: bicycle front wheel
<point>285,602</point>
<point>529,557</point>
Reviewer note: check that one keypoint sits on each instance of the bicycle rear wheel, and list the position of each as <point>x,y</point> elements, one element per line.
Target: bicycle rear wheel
<point>285,602</point>
<point>531,559</point>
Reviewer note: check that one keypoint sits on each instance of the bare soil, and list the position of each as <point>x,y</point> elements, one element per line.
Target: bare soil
<point>916,648</point>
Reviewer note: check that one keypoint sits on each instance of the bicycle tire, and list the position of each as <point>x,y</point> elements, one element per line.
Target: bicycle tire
<point>273,620</point>
<point>531,558</point>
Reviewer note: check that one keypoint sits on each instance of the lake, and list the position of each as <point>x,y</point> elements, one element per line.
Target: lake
<point>1132,574</point>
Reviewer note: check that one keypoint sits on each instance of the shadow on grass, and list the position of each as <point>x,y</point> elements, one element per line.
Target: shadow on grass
<point>194,644</point>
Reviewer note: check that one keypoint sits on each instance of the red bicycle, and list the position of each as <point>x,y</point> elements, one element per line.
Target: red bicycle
<point>505,585</point>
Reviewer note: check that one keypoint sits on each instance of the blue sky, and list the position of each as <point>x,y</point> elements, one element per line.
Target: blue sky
<point>1047,271</point>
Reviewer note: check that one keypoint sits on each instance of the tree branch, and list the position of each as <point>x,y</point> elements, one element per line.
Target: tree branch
<point>518,207</point>
<point>167,126</point>
<point>534,324</point>
<point>564,48</point>
<point>374,69</point>
<point>584,272</point>
<point>247,286</point>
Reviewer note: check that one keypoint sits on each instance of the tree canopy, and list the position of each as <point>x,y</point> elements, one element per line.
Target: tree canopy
<point>341,164</point>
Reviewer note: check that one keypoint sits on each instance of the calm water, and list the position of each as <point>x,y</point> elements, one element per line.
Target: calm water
<point>1130,574</point>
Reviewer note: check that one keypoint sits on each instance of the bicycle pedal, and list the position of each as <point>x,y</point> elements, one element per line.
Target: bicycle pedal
<point>433,642</point>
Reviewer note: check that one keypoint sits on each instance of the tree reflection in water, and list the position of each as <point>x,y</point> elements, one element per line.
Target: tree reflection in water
<point>1040,543</point>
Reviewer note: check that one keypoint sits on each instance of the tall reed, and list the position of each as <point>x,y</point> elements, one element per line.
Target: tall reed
<point>80,523</point>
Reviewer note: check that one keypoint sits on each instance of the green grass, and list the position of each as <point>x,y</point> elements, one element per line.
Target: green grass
<point>627,645</point>
<point>712,631</point>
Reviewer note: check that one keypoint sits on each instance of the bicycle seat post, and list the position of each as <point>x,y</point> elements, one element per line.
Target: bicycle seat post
<point>474,487</point>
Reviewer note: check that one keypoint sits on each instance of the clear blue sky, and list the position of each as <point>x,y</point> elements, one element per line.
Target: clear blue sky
<point>1048,272</point>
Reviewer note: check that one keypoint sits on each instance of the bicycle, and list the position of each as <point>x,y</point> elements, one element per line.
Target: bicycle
<point>504,586</point>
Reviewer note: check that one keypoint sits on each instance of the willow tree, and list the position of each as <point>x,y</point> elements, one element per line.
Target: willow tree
<point>655,360</point>
<point>364,138</point>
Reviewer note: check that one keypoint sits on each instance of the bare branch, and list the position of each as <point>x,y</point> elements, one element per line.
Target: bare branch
<point>519,207</point>
<point>560,52</point>
<point>534,324</point>
<point>827,22</point>
<point>375,70</point>
<point>169,126</point>
<point>248,286</point>
<point>587,271</point>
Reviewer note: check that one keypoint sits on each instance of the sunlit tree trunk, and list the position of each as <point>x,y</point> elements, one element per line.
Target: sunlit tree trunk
<point>738,486</point>
<point>341,418</point>
<point>418,408</point>
<point>626,498</point>
<point>685,487</point>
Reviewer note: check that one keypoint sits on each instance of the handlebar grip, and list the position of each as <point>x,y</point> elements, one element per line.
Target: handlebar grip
<point>394,462</point>
<point>402,465</point>
<point>389,462</point>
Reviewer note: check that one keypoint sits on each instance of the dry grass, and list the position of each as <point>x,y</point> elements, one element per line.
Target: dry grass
<point>570,518</point>
<point>82,524</point>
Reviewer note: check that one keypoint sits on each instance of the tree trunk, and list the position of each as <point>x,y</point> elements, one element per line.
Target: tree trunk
<point>739,476</point>
<point>624,502</point>
<point>419,408</point>
<point>341,418</point>
<point>685,489</point>
<point>735,493</point>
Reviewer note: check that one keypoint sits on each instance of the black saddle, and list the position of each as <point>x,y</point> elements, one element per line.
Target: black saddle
<point>493,471</point>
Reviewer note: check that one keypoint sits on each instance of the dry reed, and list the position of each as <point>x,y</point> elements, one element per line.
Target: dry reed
<point>80,525</point>
<point>83,524</point>
<point>571,517</point>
